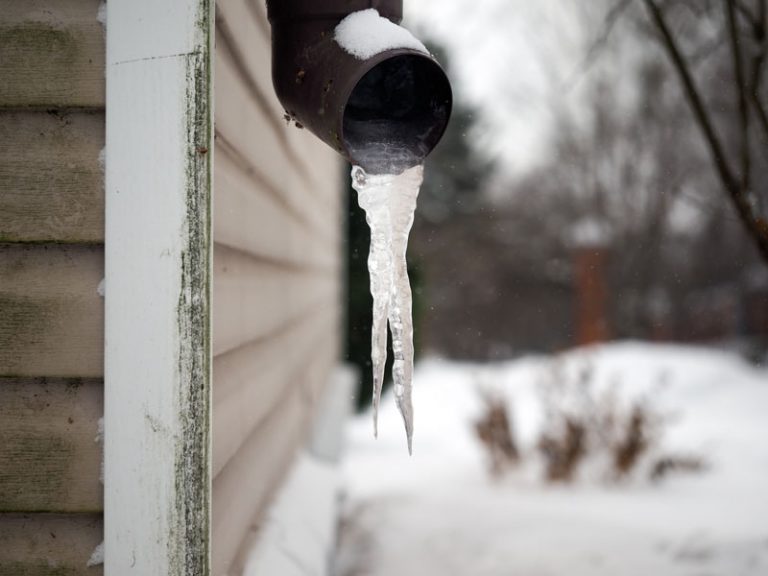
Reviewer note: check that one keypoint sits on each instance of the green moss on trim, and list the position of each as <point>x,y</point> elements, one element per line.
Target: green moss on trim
<point>191,518</point>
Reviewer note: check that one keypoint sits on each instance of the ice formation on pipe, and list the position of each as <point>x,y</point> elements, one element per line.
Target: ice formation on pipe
<point>389,202</point>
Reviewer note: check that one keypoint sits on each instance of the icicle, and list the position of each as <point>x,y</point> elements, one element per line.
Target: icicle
<point>389,202</point>
<point>373,199</point>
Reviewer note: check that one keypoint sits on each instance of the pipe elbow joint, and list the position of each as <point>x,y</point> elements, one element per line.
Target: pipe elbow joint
<point>384,111</point>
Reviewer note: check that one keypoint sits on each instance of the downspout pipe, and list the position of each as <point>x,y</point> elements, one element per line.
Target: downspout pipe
<point>384,111</point>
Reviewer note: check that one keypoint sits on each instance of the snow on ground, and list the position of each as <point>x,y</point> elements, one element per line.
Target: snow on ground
<point>439,513</point>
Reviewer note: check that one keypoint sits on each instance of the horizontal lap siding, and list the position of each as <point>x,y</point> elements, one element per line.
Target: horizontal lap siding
<point>242,489</point>
<point>253,299</point>
<point>51,177</point>
<point>50,454</point>
<point>51,54</point>
<point>52,314</point>
<point>52,94</point>
<point>49,545</point>
<point>241,398</point>
<point>277,276</point>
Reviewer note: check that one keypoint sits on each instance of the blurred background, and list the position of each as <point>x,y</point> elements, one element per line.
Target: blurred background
<point>573,144</point>
<point>589,262</point>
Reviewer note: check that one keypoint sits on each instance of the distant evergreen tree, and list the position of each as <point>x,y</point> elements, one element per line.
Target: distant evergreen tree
<point>455,173</point>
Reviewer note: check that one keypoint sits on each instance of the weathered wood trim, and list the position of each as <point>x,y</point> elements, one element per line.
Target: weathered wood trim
<point>49,545</point>
<point>158,256</point>
<point>51,448</point>
<point>51,177</point>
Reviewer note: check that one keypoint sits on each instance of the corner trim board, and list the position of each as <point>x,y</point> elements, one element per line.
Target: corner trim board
<point>158,252</point>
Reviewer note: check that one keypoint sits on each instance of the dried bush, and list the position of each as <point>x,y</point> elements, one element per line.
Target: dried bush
<point>495,433</point>
<point>582,421</point>
<point>635,438</point>
<point>564,450</point>
<point>668,464</point>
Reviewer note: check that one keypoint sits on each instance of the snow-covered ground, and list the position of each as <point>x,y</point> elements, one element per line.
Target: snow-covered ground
<point>439,512</point>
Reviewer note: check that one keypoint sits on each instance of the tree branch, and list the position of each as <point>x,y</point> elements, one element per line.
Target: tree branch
<point>746,13</point>
<point>741,92</point>
<point>610,21</point>
<point>757,227</point>
<point>762,116</point>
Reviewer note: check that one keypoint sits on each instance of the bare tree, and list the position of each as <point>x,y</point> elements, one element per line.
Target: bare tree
<point>743,25</point>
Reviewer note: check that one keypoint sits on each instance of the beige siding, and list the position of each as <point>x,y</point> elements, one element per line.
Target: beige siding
<point>51,181</point>
<point>277,272</point>
<point>51,263</point>
<point>240,399</point>
<point>49,545</point>
<point>242,489</point>
<point>51,448</point>
<point>53,316</point>
<point>51,54</point>
<point>254,299</point>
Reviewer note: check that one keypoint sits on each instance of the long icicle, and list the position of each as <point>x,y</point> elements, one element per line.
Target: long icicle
<point>373,201</point>
<point>389,202</point>
<point>402,204</point>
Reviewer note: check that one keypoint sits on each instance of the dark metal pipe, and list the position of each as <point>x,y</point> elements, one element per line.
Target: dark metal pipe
<point>384,113</point>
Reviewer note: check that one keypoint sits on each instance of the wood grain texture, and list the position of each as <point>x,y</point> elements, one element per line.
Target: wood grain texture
<point>245,486</point>
<point>51,54</point>
<point>49,545</point>
<point>50,447</point>
<point>249,381</point>
<point>51,315</point>
<point>51,180</point>
<point>252,298</point>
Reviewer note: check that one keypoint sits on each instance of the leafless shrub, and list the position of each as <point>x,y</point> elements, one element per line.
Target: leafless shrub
<point>583,421</point>
<point>494,431</point>
<point>635,438</point>
<point>563,450</point>
<point>668,464</point>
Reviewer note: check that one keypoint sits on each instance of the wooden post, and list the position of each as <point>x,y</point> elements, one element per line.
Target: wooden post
<point>590,240</point>
<point>158,255</point>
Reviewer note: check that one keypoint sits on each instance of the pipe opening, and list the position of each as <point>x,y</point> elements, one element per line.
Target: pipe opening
<point>396,114</point>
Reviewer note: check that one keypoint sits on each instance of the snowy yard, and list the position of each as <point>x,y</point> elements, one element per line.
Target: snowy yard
<point>440,512</point>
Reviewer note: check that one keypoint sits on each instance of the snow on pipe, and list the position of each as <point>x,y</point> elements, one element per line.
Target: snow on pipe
<point>346,71</point>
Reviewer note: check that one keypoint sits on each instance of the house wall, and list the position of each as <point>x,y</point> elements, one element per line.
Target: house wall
<point>276,280</point>
<point>51,264</point>
<point>276,283</point>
